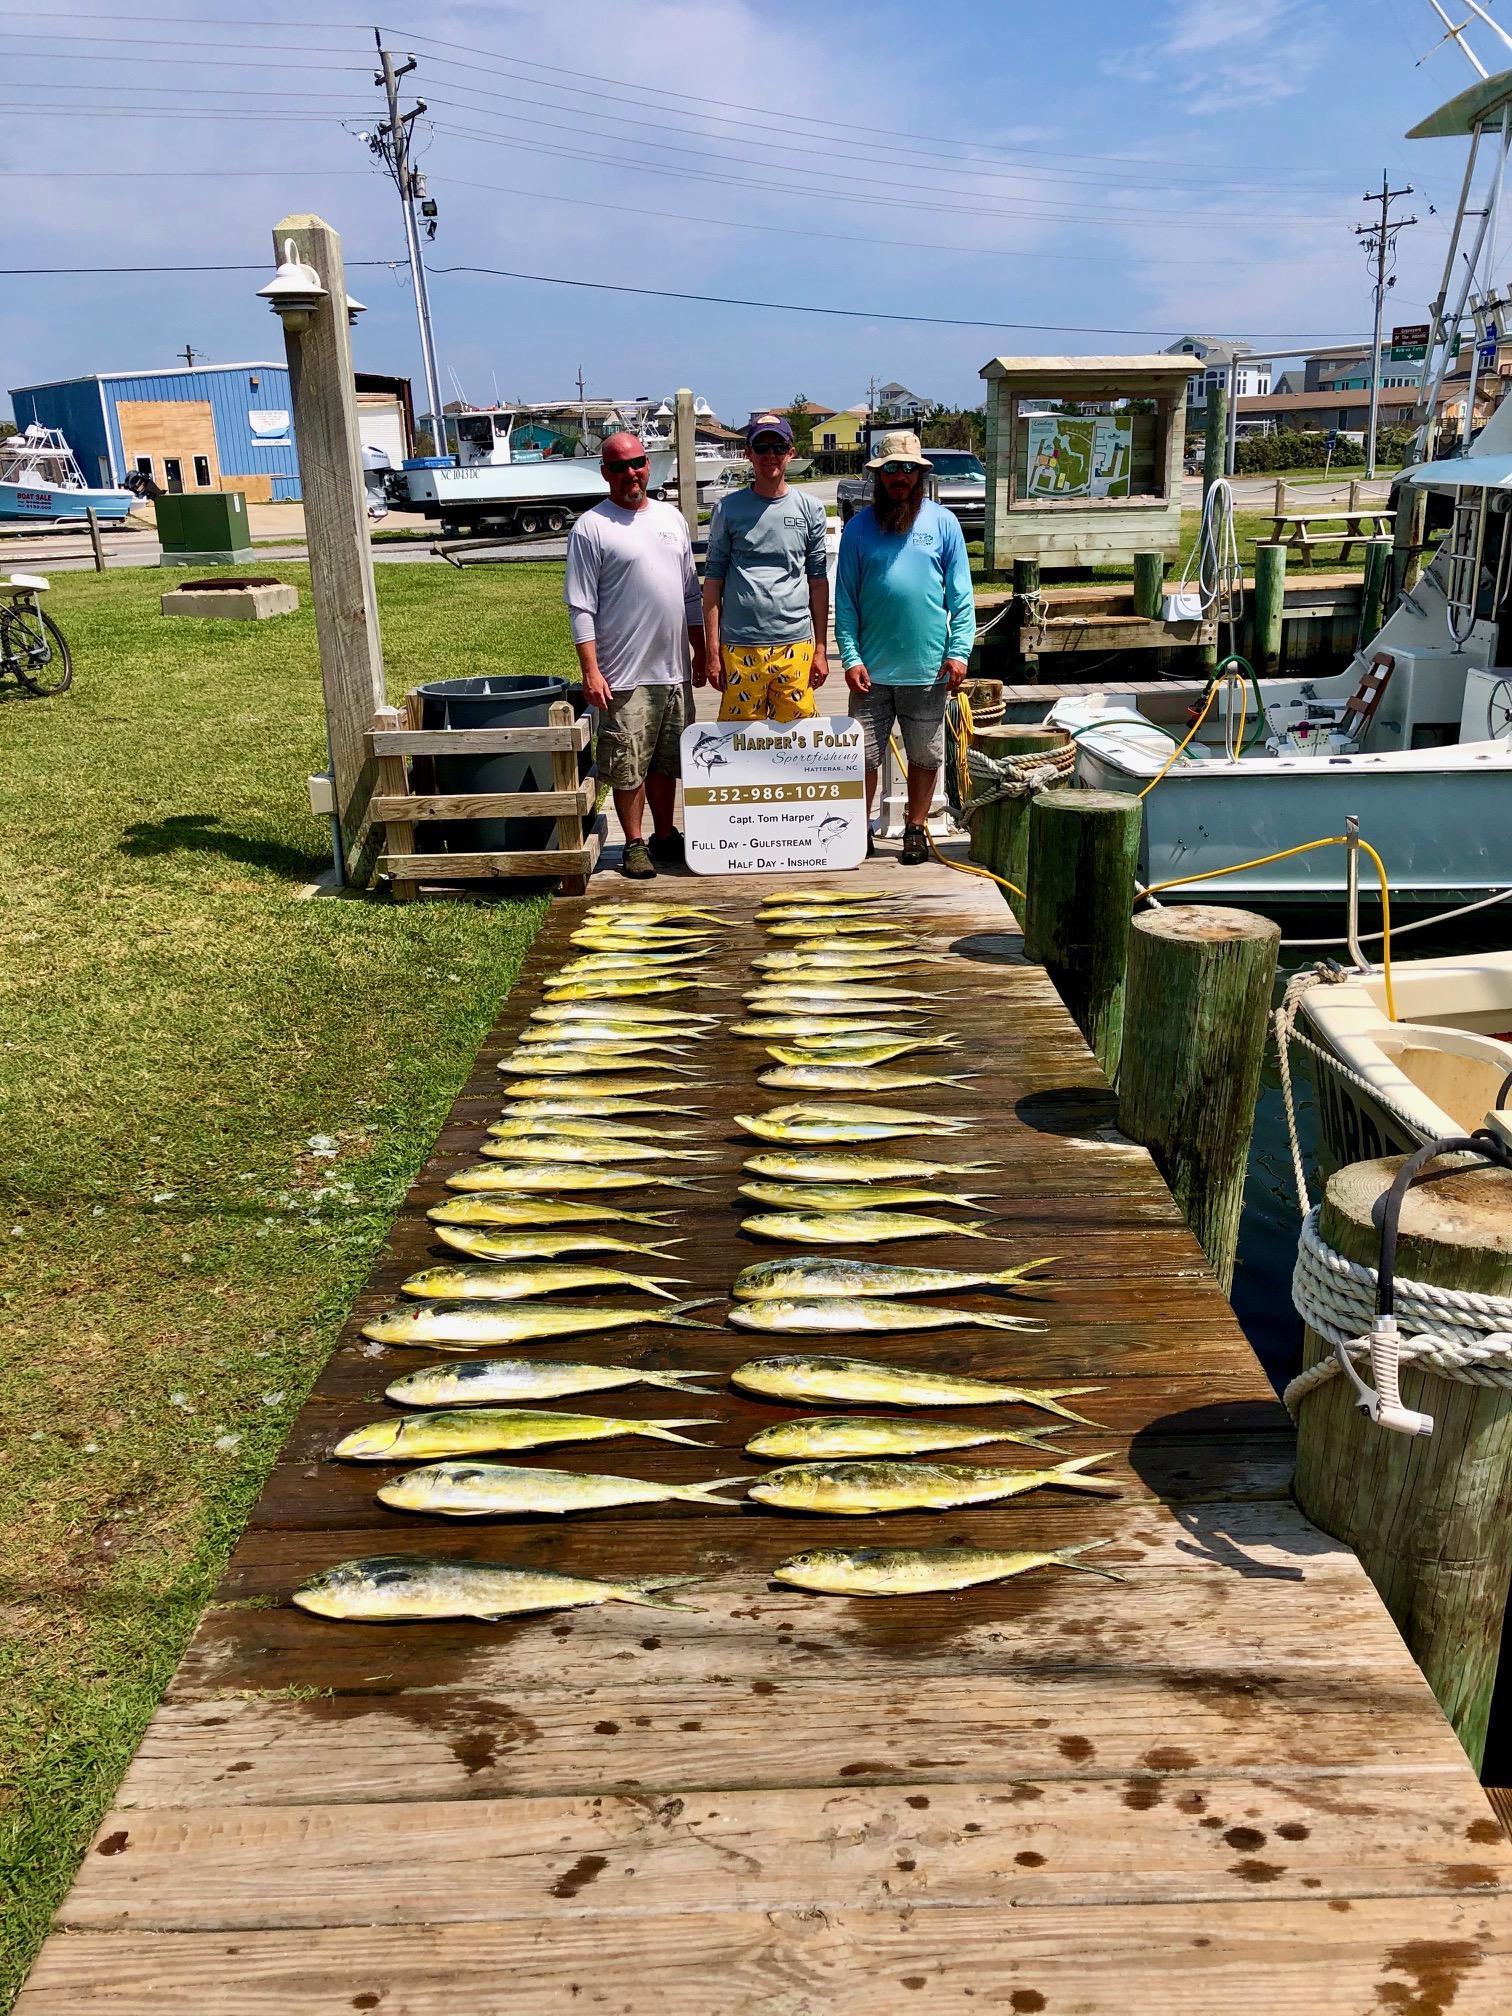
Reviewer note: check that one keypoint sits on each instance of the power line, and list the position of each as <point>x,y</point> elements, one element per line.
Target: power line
<point>673,294</point>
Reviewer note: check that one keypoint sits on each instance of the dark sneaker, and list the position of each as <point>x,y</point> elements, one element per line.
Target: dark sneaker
<point>871,845</point>
<point>915,846</point>
<point>637,863</point>
<point>668,847</point>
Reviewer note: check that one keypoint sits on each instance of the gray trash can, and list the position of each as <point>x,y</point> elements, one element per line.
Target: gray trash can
<point>493,702</point>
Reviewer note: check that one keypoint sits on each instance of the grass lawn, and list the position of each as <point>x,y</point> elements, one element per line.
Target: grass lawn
<point>213,1097</point>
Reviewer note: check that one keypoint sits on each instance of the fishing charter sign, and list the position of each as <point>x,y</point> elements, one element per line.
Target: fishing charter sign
<point>772,796</point>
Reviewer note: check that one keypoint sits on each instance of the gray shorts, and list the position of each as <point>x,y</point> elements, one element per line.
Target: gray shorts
<point>640,732</point>
<point>919,712</point>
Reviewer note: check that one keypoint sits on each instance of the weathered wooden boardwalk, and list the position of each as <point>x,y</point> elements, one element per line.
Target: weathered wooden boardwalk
<point>1218,1786</point>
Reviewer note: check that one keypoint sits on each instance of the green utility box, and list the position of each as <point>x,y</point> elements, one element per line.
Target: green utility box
<point>204,531</point>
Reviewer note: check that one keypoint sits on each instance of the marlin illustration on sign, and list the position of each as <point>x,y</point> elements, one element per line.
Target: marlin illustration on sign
<point>708,751</point>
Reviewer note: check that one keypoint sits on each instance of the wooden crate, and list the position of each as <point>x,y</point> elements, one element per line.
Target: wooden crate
<point>396,734</point>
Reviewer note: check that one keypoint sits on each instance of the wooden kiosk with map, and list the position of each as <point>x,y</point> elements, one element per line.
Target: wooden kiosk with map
<point>1084,458</point>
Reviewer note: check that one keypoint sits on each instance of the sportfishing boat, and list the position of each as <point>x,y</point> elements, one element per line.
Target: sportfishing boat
<point>41,481</point>
<point>1436,1070</point>
<point>1414,736</point>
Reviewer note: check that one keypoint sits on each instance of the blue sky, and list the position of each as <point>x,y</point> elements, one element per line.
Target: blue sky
<point>1141,169</point>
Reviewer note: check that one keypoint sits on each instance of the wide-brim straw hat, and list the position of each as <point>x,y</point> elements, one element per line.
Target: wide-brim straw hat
<point>900,447</point>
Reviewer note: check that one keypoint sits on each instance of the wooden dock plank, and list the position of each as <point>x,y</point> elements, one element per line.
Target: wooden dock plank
<point>1329,1958</point>
<point>1215,1780</point>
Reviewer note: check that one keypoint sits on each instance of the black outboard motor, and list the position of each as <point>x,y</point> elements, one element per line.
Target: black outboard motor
<point>142,483</point>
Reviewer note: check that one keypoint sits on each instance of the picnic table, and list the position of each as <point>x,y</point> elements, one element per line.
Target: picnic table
<point>1295,529</point>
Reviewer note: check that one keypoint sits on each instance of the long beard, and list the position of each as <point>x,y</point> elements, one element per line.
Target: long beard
<point>897,517</point>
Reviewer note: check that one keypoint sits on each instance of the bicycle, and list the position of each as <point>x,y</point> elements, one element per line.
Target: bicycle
<point>32,647</point>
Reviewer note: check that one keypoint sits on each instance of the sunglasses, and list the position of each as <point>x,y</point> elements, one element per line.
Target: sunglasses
<point>618,468</point>
<point>899,468</point>
<point>770,444</point>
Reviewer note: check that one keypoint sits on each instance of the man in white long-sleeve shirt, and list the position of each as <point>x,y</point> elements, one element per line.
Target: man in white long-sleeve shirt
<point>637,622</point>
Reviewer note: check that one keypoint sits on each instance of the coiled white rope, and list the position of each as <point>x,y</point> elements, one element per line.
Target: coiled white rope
<point>1220,578</point>
<point>1457,1333</point>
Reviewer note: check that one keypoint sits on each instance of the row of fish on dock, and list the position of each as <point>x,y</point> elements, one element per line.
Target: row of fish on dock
<point>602,1056</point>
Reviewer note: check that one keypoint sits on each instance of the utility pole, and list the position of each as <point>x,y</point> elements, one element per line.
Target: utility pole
<point>188,353</point>
<point>1379,242</point>
<point>391,143</point>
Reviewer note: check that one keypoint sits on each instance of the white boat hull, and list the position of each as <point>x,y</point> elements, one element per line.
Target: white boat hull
<point>45,502</point>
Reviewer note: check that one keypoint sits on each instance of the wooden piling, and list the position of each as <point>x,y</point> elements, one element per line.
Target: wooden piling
<point>1083,847</point>
<point>1198,997</point>
<point>1026,583</point>
<point>1149,583</point>
<point>1215,444</point>
<point>1000,832</point>
<point>1430,1518</point>
<point>686,444</point>
<point>1268,607</point>
<point>96,544</point>
<point>1373,591</point>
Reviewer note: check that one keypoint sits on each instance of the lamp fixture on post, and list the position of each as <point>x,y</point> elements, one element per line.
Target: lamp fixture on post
<point>354,309</point>
<point>295,291</point>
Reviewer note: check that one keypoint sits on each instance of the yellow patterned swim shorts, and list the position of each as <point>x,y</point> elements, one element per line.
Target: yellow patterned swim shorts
<point>767,682</point>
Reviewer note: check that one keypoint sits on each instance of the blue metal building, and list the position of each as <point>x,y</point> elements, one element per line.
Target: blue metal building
<point>211,427</point>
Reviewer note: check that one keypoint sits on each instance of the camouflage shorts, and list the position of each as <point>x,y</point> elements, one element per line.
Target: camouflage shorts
<point>639,732</point>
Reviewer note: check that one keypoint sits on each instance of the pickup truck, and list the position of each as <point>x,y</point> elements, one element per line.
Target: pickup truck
<point>959,483</point>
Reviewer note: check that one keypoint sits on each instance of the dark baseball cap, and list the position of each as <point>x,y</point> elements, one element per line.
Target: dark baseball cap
<point>769,423</point>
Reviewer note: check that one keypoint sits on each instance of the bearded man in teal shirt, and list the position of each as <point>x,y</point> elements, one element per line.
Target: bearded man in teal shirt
<point>905,622</point>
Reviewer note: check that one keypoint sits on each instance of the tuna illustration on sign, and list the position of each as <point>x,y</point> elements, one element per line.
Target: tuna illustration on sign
<point>708,752</point>
<point>832,827</point>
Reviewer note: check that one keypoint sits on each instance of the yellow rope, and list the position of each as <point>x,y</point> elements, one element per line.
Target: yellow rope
<point>961,867</point>
<point>1213,692</point>
<point>1286,853</point>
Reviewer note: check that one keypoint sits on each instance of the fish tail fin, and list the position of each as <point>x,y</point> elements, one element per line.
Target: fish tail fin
<point>661,1431</point>
<point>1008,1322</point>
<point>976,1168</point>
<point>970,1231</point>
<point>675,1315</point>
<point>1011,1276</point>
<point>683,1183</point>
<point>643,1589</point>
<point>649,1281</point>
<point>698,1494</point>
<point>1070,1473</point>
<point>1049,1398</point>
<point>677,1382</point>
<point>1064,1554</point>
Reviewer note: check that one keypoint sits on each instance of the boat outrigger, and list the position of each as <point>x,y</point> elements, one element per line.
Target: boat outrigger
<point>41,482</point>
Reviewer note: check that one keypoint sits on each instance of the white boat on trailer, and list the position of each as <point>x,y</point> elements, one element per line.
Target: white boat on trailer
<point>41,482</point>
<point>489,484</point>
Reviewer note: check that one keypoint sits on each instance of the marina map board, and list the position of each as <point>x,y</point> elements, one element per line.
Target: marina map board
<point>774,796</point>
<point>1084,458</point>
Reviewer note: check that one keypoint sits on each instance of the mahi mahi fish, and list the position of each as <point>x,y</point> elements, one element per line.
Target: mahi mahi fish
<point>836,1075</point>
<point>858,1047</point>
<point>474,1431</point>
<point>839,990</point>
<point>612,988</point>
<point>838,1166</point>
<point>588,1011</point>
<point>817,1026</point>
<point>921,1571</point>
<point>595,1061</point>
<point>583,1130</point>
<point>842,1122</point>
<point>831,927</point>
<point>804,1276</point>
<point>868,1382</point>
<point>577,1107</point>
<point>854,1196</point>
<point>489,1381</point>
<point>549,1176</point>
<point>859,1228</point>
<point>613,1031</point>
<point>515,1322</point>
<point>480,1241</point>
<point>476,1210</point>
<point>568,1148</point>
<point>481,1490</point>
<point>852,1489</point>
<point>569,1043</point>
<point>841,1435</point>
<point>587,1087</point>
<point>404,1589</point>
<point>518,1284</point>
<point>848,1315</point>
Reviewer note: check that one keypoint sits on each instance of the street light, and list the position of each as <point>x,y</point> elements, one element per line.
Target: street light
<point>295,291</point>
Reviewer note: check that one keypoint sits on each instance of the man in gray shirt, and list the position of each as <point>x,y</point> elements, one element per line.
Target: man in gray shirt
<point>766,592</point>
<point>636,619</point>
